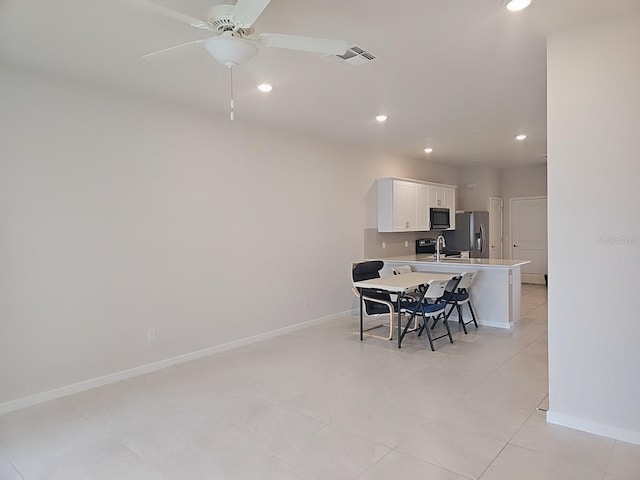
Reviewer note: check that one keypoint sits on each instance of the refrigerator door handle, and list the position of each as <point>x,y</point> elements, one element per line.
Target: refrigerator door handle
<point>482,239</point>
<point>471,240</point>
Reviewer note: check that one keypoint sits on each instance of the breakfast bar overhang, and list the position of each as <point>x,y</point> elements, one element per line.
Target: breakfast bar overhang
<point>496,289</point>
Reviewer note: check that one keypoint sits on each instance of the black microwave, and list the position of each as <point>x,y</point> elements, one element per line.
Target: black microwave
<point>439,218</point>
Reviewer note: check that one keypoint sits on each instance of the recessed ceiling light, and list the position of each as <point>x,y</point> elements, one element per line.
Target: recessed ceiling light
<point>428,150</point>
<point>265,87</point>
<point>381,118</point>
<point>516,5</point>
<point>521,137</point>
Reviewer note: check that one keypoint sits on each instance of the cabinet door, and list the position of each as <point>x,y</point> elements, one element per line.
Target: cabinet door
<point>450,203</point>
<point>405,206</point>
<point>411,212</point>
<point>400,190</point>
<point>423,208</point>
<point>436,197</point>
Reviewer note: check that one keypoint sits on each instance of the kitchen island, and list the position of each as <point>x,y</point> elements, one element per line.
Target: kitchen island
<point>495,292</point>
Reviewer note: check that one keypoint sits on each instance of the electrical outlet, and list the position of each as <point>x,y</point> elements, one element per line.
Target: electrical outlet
<point>384,245</point>
<point>406,243</point>
<point>151,335</point>
<point>305,302</point>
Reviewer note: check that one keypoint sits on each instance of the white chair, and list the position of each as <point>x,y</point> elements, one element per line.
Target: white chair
<point>401,269</point>
<point>437,294</point>
<point>462,296</point>
<point>414,296</point>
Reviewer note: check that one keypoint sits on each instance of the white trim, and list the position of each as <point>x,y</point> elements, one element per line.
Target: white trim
<point>454,320</point>
<point>535,278</point>
<point>491,198</point>
<point>488,323</point>
<point>577,423</point>
<point>30,400</point>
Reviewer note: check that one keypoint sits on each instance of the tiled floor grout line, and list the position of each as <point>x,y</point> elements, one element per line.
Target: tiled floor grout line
<point>297,379</point>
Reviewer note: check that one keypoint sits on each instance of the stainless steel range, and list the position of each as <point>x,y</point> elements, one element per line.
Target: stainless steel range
<point>428,246</point>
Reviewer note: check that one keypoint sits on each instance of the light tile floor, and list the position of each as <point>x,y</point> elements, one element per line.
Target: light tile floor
<point>318,404</point>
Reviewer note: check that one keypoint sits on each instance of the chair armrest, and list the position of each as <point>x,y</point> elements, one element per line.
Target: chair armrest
<point>383,302</point>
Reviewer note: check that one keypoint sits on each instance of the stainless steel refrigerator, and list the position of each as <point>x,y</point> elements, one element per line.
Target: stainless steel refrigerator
<point>471,233</point>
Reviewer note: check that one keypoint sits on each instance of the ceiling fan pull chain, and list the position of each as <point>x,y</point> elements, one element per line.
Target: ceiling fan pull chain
<point>231,81</point>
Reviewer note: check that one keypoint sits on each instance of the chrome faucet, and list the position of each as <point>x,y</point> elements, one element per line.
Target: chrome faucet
<point>439,240</point>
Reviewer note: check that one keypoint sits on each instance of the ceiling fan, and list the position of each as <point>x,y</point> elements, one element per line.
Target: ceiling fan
<point>234,41</point>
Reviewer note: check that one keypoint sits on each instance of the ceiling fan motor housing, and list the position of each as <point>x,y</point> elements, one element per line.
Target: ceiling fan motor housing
<point>220,17</point>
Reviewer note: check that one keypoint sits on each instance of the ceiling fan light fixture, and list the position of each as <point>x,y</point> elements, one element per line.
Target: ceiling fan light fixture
<point>229,50</point>
<point>265,87</point>
<point>517,5</point>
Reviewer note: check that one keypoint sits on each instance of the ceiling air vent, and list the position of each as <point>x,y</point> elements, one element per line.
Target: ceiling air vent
<point>355,55</point>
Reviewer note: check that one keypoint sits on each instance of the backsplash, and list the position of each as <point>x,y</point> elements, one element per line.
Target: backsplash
<point>394,242</point>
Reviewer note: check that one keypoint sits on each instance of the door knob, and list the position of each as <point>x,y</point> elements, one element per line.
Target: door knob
<point>515,245</point>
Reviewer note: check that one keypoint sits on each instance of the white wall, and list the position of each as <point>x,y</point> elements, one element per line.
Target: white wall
<point>520,181</point>
<point>594,228</point>
<point>119,214</point>
<point>476,185</point>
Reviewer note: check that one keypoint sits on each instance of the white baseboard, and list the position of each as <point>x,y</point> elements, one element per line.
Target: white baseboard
<point>535,278</point>
<point>484,323</point>
<point>577,423</point>
<point>30,400</point>
<point>453,319</point>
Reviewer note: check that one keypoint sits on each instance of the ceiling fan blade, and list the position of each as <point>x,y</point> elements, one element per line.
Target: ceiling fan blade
<point>246,12</point>
<point>305,44</point>
<point>167,12</point>
<point>171,48</point>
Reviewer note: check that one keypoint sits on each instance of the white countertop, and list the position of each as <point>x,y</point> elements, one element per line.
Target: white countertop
<point>474,262</point>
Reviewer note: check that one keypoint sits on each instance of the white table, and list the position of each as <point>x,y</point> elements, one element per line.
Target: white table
<point>399,285</point>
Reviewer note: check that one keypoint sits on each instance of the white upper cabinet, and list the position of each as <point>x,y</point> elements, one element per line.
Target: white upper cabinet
<point>403,205</point>
<point>436,197</point>
<point>444,196</point>
<point>423,207</point>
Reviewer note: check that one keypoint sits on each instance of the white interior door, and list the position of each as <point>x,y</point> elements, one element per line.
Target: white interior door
<point>495,227</point>
<point>528,221</point>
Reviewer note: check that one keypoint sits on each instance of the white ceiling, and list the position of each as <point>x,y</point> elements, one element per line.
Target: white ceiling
<point>462,76</point>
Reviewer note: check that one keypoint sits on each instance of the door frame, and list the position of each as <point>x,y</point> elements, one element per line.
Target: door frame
<point>491,198</point>
<point>535,197</point>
